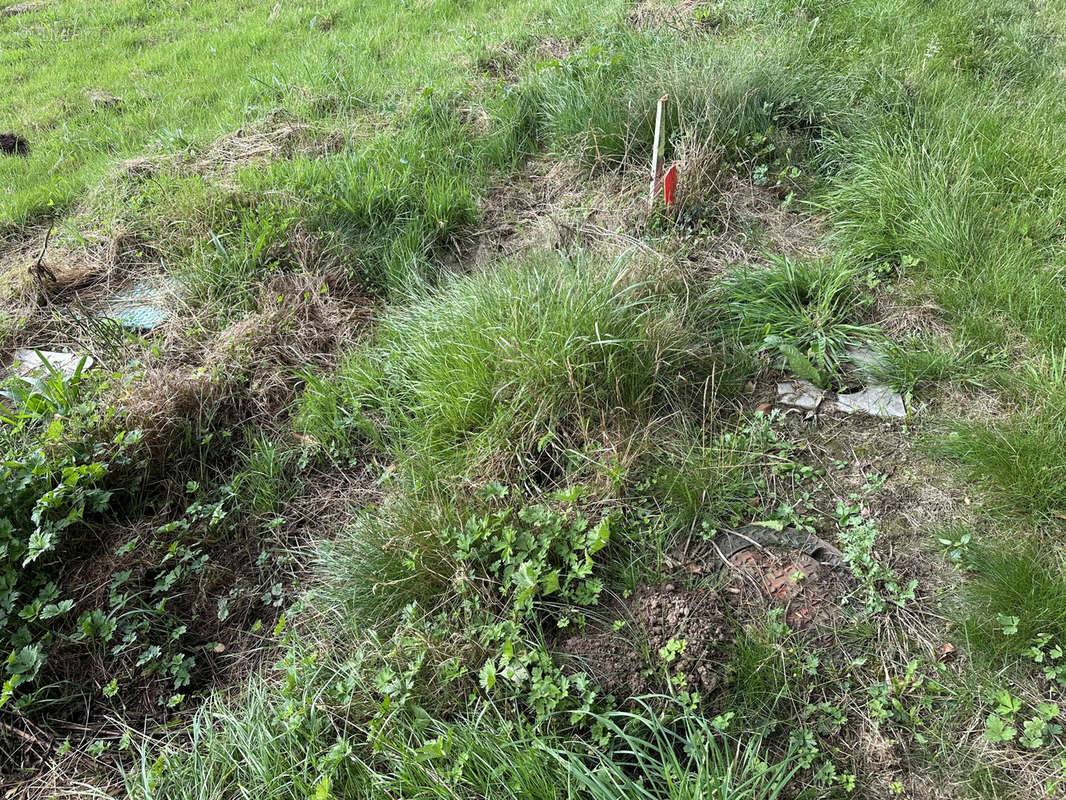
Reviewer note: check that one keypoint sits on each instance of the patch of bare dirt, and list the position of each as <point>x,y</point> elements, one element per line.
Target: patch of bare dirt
<point>11,144</point>
<point>627,662</point>
<point>686,626</point>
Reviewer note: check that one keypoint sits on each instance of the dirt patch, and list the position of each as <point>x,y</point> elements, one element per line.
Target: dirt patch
<point>685,627</point>
<point>668,629</point>
<point>11,144</point>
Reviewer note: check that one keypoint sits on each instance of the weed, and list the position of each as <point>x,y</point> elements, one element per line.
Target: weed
<point>807,311</point>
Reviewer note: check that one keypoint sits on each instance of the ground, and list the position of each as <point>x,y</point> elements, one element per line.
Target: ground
<point>369,432</point>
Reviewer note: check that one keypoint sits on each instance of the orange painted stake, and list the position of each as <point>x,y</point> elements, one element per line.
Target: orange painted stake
<point>670,185</point>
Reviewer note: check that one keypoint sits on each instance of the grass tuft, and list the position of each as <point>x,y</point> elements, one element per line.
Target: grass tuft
<point>523,364</point>
<point>809,311</point>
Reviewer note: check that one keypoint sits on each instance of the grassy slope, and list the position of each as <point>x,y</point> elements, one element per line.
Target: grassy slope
<point>924,132</point>
<point>187,72</point>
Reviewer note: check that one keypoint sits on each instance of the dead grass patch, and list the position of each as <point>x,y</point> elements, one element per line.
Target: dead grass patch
<point>21,8</point>
<point>556,204</point>
<point>249,370</point>
<point>681,15</point>
<point>272,139</point>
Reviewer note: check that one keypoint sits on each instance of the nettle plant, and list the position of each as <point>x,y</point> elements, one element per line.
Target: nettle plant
<point>519,567</point>
<point>50,479</point>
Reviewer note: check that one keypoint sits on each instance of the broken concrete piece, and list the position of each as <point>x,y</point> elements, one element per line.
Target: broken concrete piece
<point>877,401</point>
<point>800,394</point>
<point>29,363</point>
<point>864,358</point>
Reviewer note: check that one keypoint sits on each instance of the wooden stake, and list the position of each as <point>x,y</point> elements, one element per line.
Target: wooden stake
<point>656,152</point>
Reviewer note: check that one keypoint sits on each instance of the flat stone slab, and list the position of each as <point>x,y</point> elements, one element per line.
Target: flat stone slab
<point>800,394</point>
<point>877,401</point>
<point>864,357</point>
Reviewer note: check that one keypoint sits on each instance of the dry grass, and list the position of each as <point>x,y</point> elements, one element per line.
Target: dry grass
<point>274,138</point>
<point>249,370</point>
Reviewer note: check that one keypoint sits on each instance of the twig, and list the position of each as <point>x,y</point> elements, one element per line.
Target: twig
<point>40,269</point>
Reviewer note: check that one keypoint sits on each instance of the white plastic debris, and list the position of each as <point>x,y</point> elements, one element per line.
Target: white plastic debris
<point>877,401</point>
<point>800,394</point>
<point>31,363</point>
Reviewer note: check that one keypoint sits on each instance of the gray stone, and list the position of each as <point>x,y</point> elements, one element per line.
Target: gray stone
<point>864,358</point>
<point>800,394</point>
<point>877,401</point>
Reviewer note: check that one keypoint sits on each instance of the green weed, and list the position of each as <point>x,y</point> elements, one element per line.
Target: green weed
<point>809,312</point>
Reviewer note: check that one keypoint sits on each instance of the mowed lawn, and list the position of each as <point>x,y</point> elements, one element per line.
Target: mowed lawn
<point>89,83</point>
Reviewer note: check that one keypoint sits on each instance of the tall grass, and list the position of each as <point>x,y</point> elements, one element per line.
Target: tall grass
<point>277,750</point>
<point>655,757</point>
<point>519,365</point>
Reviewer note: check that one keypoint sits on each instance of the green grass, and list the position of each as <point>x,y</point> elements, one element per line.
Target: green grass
<point>917,365</point>
<point>526,363</point>
<point>539,434</point>
<point>185,78</point>
<point>257,751</point>
<point>810,312</point>
<point>1026,582</point>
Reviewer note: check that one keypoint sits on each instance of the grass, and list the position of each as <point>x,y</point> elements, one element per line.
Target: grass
<point>917,365</point>
<point>528,362</point>
<point>530,448</point>
<point>810,312</point>
<point>180,81</point>
<point>1025,582</point>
